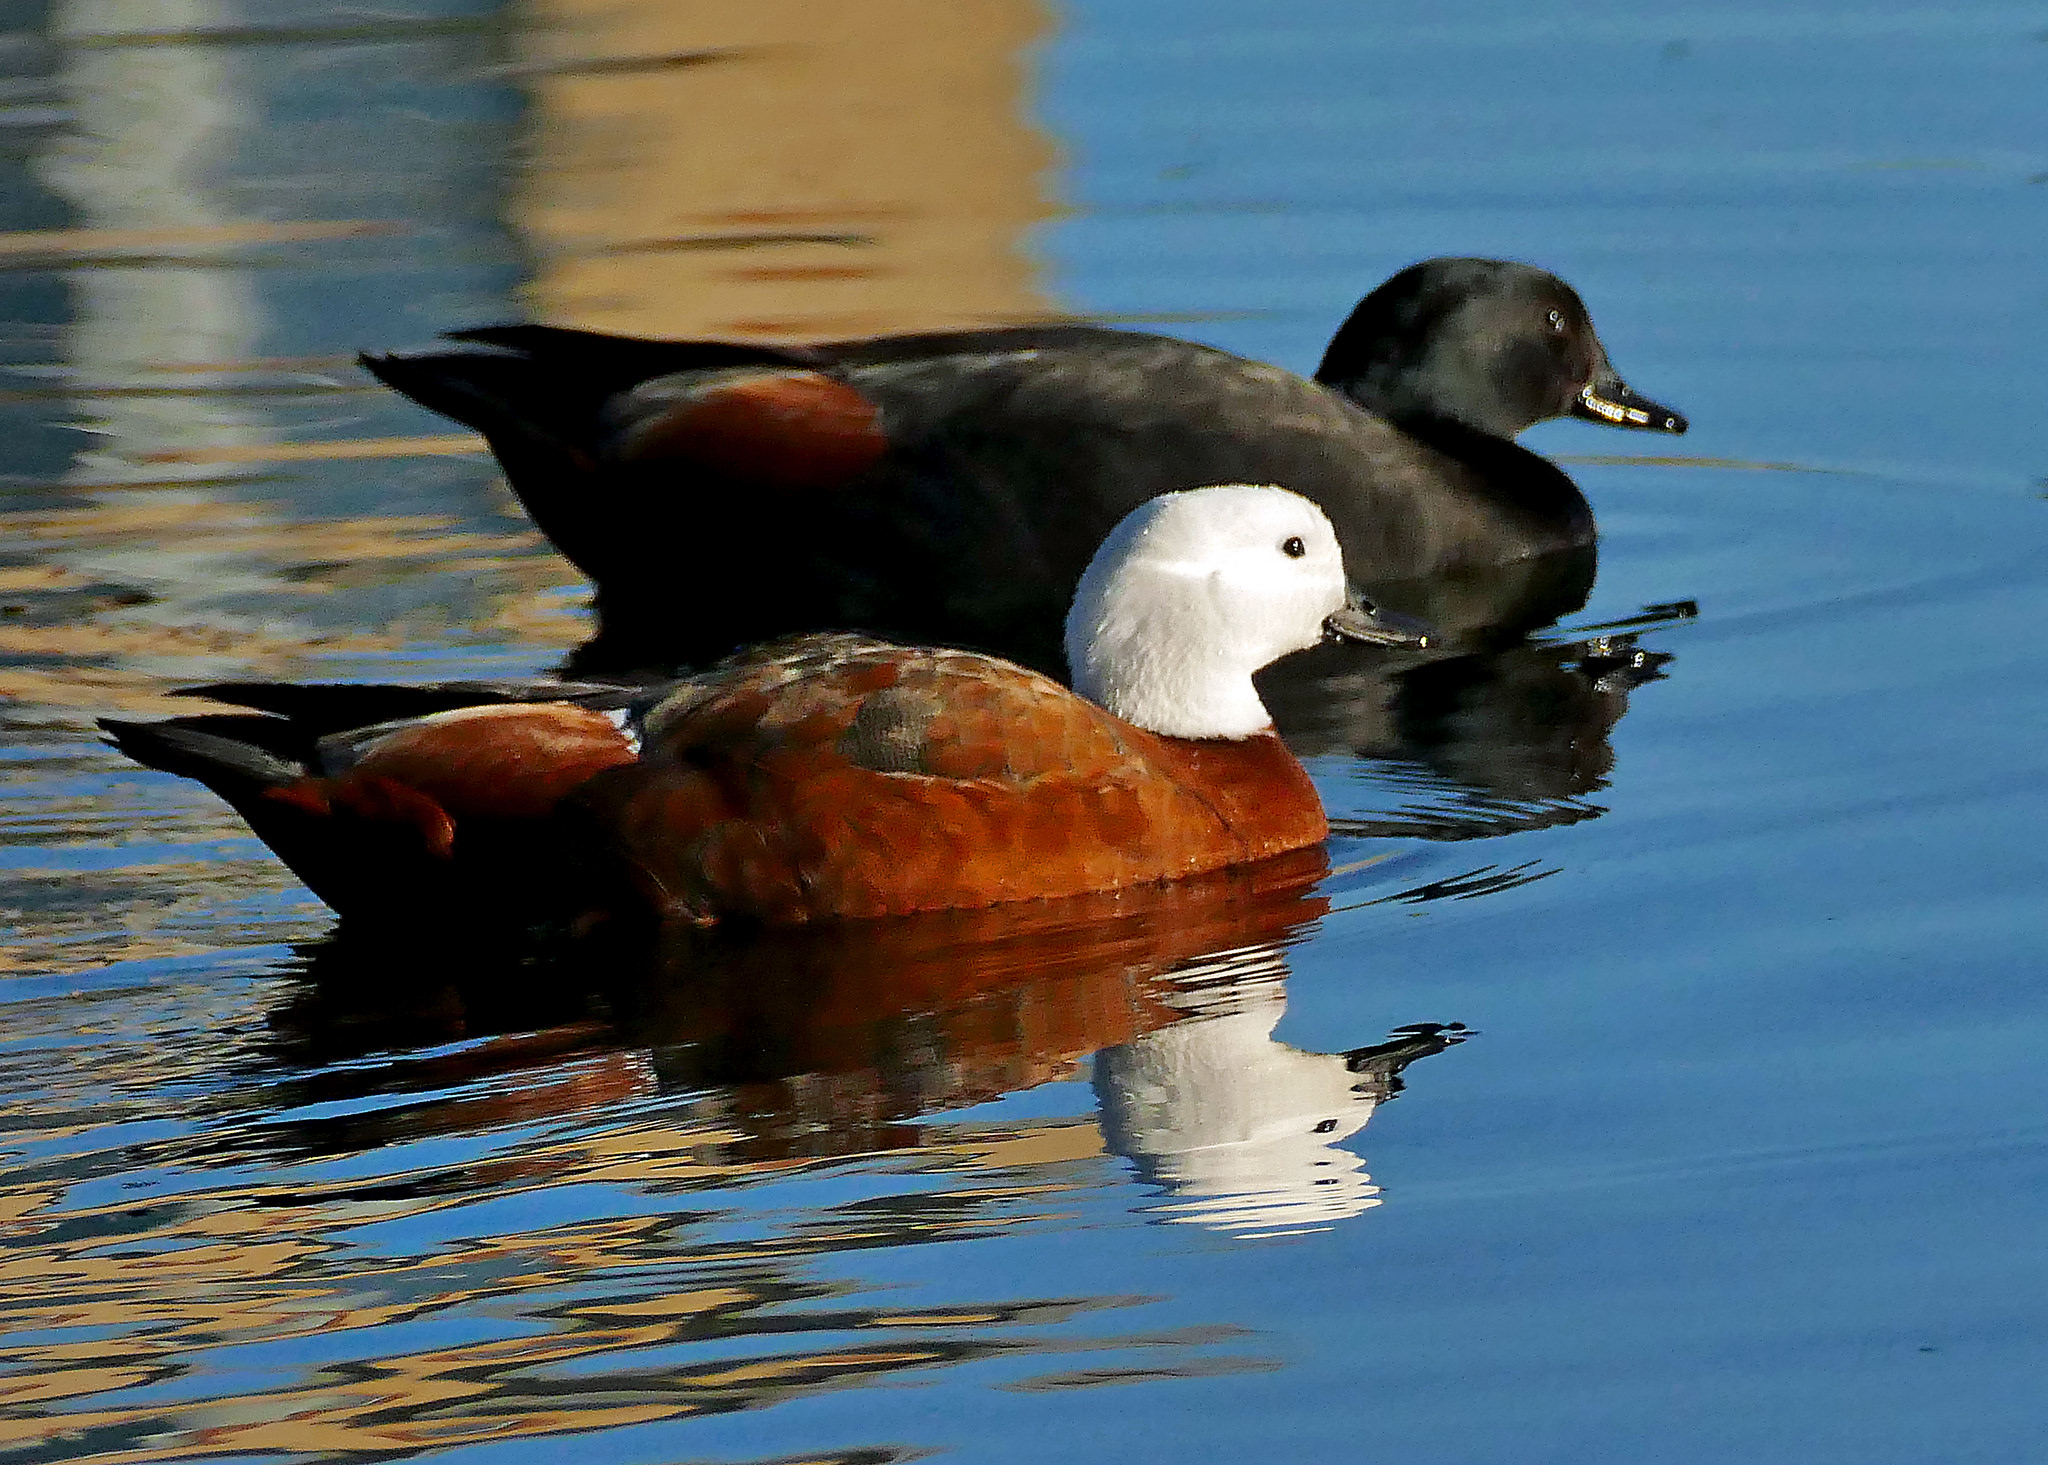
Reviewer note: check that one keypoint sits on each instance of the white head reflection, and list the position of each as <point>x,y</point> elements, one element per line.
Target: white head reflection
<point>1244,1134</point>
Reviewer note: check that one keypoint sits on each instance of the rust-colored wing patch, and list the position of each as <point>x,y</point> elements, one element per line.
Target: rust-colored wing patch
<point>779,428</point>
<point>505,762</point>
<point>501,762</point>
<point>378,800</point>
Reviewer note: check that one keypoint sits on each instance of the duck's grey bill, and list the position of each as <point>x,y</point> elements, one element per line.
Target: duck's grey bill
<point>1613,403</point>
<point>1361,620</point>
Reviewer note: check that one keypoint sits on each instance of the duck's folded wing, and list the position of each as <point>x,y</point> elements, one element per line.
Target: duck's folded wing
<point>893,781</point>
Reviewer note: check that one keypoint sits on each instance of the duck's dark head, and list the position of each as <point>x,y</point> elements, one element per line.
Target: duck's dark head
<point>1489,343</point>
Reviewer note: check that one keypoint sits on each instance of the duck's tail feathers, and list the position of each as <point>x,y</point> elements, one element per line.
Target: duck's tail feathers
<point>386,864</point>
<point>539,391</point>
<point>531,419</point>
<point>539,396</point>
<point>235,755</point>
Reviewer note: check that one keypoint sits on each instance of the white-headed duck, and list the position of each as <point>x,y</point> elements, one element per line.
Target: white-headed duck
<point>827,776</point>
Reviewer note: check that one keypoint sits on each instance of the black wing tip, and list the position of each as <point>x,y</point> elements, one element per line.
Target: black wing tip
<point>504,333</point>
<point>235,694</point>
<point>227,753</point>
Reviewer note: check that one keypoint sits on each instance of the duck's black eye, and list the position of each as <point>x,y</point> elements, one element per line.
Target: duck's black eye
<point>1556,319</point>
<point>1294,549</point>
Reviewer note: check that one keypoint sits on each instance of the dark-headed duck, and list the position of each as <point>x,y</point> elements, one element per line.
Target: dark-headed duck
<point>951,487</point>
<point>826,777</point>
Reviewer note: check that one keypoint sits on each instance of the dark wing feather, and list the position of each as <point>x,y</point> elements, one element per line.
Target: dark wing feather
<point>323,708</point>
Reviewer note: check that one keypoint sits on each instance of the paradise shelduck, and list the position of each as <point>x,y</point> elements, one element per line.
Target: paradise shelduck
<point>826,776</point>
<point>951,487</point>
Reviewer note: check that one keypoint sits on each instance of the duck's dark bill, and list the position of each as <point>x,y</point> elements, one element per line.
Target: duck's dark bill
<point>1361,620</point>
<point>1613,403</point>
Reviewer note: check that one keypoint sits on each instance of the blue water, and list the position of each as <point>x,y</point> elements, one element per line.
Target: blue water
<point>1745,1158</point>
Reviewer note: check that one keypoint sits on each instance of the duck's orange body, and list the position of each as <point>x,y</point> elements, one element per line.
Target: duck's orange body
<point>837,777</point>
<point>877,782</point>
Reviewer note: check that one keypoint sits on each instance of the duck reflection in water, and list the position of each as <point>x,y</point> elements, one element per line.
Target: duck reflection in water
<point>1484,743</point>
<point>791,1045</point>
<point>1242,1133</point>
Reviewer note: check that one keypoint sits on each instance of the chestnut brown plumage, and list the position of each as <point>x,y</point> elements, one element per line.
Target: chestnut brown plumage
<point>883,781</point>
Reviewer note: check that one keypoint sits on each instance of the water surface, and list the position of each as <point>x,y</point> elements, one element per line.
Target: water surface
<point>1744,1156</point>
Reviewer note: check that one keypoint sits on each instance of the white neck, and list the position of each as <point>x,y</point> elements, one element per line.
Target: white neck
<point>1169,687</point>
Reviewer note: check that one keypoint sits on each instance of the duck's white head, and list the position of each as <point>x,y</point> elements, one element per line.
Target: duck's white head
<point>1194,591</point>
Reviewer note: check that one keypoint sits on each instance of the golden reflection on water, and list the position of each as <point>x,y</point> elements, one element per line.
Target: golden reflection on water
<point>229,1279</point>
<point>866,168</point>
<point>230,511</point>
<point>376,1203</point>
<point>532,1230</point>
